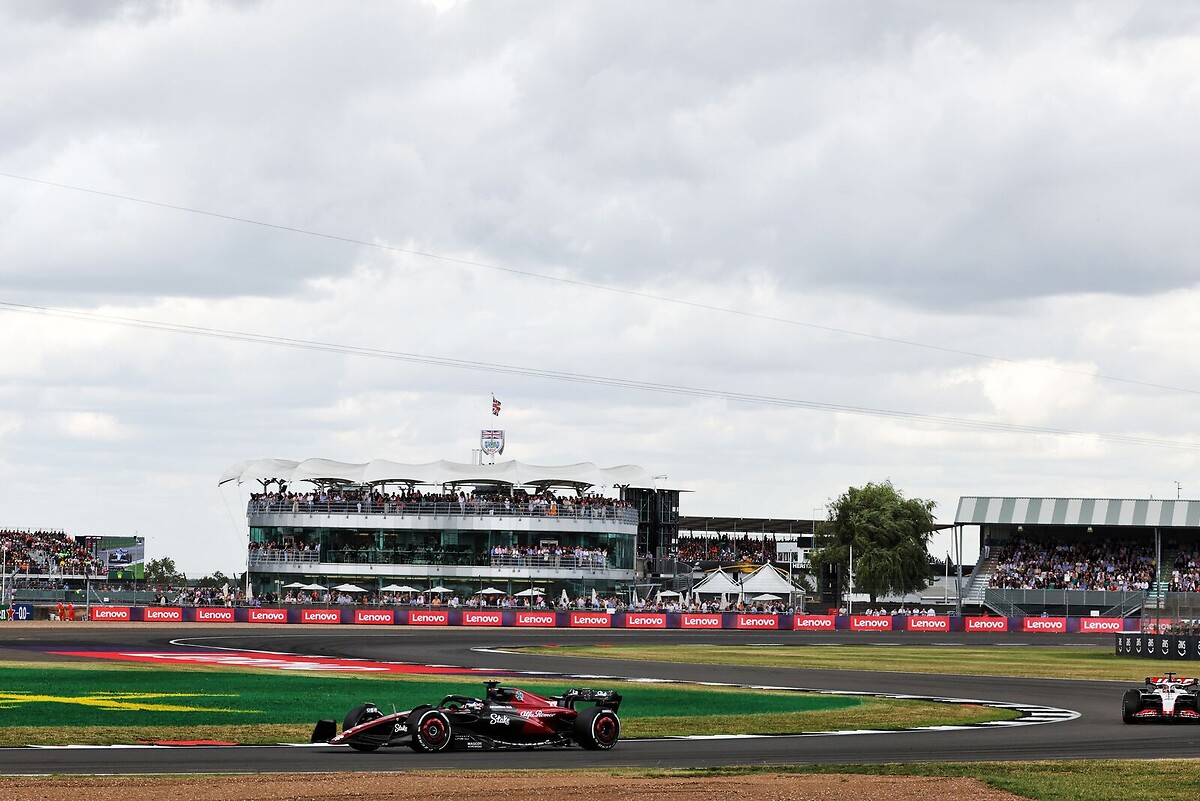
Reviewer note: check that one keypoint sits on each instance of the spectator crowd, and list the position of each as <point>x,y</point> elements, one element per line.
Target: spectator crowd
<point>1027,563</point>
<point>48,553</point>
<point>374,501</point>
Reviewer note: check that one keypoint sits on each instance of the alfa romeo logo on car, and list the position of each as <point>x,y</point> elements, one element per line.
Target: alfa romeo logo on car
<point>491,442</point>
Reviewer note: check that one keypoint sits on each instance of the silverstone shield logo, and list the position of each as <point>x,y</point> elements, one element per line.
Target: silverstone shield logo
<point>491,441</point>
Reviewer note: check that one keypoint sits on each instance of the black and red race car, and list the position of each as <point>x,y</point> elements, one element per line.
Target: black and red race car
<point>1164,698</point>
<point>505,718</point>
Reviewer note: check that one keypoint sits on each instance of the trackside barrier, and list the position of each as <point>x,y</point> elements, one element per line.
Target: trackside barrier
<point>1159,646</point>
<point>548,619</point>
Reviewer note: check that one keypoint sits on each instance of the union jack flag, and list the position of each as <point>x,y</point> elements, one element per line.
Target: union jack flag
<point>495,406</point>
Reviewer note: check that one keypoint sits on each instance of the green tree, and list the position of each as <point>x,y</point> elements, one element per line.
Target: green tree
<point>889,535</point>
<point>163,571</point>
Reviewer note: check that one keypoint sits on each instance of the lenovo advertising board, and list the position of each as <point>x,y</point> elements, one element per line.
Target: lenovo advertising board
<point>1049,625</point>
<point>699,621</point>
<point>1099,625</point>
<point>927,623</point>
<point>275,615</point>
<point>537,619</point>
<point>162,614</point>
<point>111,613</point>
<point>985,624</point>
<point>374,617</point>
<point>204,614</point>
<point>760,622</point>
<point>429,617</point>
<point>645,620</point>
<point>590,620</point>
<point>326,616</point>
<point>475,617</point>
<point>870,623</point>
<point>814,622</point>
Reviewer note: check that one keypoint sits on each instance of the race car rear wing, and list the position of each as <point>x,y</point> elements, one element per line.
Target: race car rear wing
<point>610,699</point>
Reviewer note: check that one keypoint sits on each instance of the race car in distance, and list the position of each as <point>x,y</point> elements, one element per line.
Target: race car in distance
<point>1163,698</point>
<point>505,718</point>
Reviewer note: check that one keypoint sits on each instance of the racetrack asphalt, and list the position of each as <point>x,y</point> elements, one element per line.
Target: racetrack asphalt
<point>1097,733</point>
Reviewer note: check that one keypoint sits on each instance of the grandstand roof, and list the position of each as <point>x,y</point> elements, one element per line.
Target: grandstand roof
<point>745,525</point>
<point>379,471</point>
<point>1078,512</point>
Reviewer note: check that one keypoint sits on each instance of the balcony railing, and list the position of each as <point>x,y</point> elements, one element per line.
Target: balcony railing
<point>619,514</point>
<point>267,557</point>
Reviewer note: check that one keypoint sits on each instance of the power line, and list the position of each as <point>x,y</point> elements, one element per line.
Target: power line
<point>596,380</point>
<point>604,287</point>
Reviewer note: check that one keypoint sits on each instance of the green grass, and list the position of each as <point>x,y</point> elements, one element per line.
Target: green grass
<point>1084,662</point>
<point>1096,780</point>
<point>84,703</point>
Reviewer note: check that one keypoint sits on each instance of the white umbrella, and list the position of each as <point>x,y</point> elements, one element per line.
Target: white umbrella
<point>669,594</point>
<point>766,596</point>
<point>529,592</point>
<point>440,588</point>
<point>312,587</point>
<point>349,588</point>
<point>295,585</point>
<point>491,591</point>
<point>398,588</point>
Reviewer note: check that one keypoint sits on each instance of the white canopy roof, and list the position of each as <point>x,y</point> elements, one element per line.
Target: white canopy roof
<point>378,471</point>
<point>767,579</point>
<point>717,582</point>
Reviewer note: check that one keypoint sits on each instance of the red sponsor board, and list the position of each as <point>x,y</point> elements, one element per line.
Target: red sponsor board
<point>204,615</point>
<point>110,613</point>
<point>986,624</point>
<point>473,617</point>
<point>429,617</point>
<point>1053,625</point>
<point>374,617</point>
<point>689,621</point>
<point>814,622</point>
<point>645,620</point>
<point>870,623</point>
<point>542,619</point>
<point>162,614</point>
<point>1101,624</point>
<point>757,621</point>
<point>318,616</point>
<point>930,623</point>
<point>275,615</point>
<point>590,620</point>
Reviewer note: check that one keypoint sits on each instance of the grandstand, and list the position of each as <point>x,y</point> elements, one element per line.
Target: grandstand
<point>574,529</point>
<point>1103,556</point>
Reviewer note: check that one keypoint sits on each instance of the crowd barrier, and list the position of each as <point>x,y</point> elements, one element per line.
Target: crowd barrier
<point>399,616</point>
<point>1159,646</point>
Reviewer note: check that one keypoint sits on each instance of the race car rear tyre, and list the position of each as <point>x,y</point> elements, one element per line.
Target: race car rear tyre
<point>1131,703</point>
<point>430,729</point>
<point>360,714</point>
<point>597,729</point>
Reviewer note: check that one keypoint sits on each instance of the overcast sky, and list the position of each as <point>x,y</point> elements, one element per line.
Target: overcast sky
<point>831,203</point>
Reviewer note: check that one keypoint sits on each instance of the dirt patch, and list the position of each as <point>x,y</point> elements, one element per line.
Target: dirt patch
<point>472,787</point>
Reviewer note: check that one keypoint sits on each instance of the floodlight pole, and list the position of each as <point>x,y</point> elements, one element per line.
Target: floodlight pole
<point>850,594</point>
<point>4,577</point>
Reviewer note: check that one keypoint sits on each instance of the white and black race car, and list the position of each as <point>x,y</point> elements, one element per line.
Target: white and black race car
<point>1164,698</point>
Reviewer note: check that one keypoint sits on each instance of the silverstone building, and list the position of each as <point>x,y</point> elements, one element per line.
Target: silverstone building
<point>508,526</point>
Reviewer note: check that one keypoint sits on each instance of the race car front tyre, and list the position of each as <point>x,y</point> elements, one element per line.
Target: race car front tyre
<point>430,729</point>
<point>597,729</point>
<point>1131,703</point>
<point>363,713</point>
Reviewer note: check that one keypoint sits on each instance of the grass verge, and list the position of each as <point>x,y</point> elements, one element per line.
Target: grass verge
<point>1098,780</point>
<point>1084,662</point>
<point>84,704</point>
